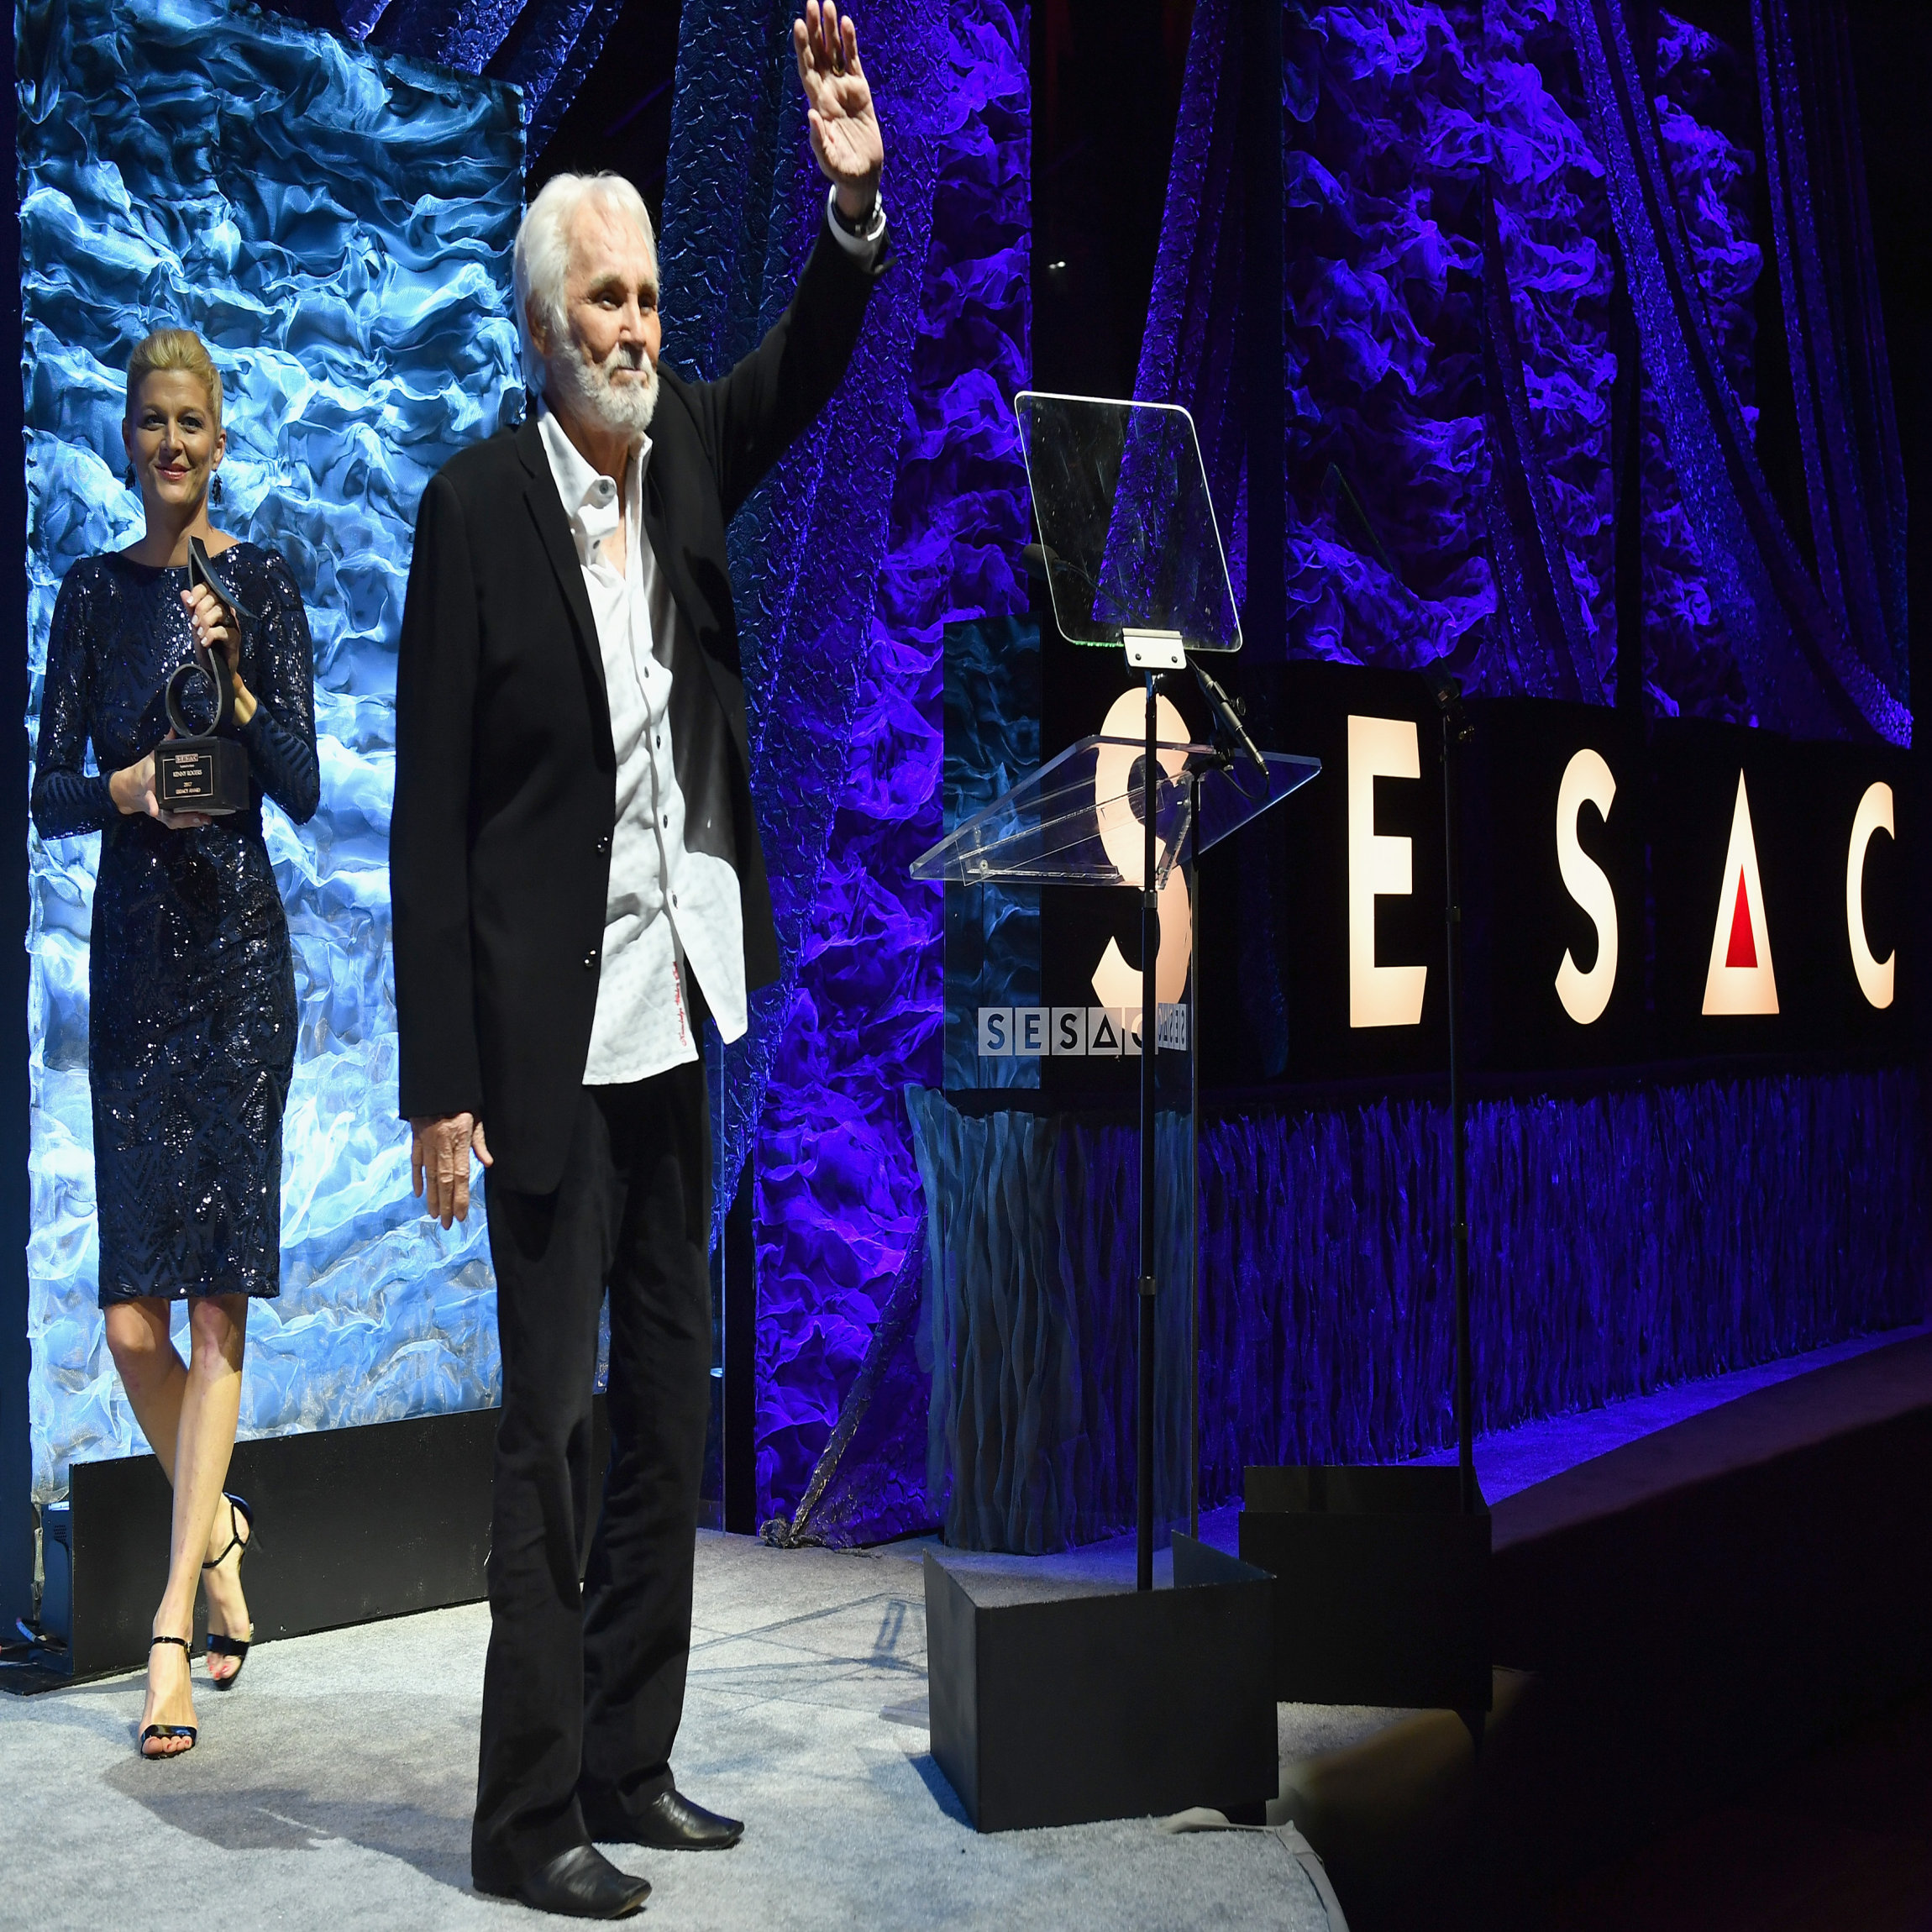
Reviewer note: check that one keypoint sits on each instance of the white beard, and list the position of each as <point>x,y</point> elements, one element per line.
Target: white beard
<point>591,389</point>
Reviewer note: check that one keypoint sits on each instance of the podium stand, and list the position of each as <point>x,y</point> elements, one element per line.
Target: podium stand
<point>1118,1704</point>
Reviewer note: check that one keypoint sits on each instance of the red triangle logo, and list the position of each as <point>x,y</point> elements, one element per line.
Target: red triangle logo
<point>1743,950</point>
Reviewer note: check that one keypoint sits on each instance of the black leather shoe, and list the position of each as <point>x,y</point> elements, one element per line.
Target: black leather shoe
<point>668,1823</point>
<point>580,1883</point>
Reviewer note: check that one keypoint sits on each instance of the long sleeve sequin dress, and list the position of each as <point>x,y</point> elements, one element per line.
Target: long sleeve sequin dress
<point>192,1023</point>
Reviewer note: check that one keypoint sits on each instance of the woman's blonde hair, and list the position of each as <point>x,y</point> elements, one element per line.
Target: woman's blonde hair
<point>171,348</point>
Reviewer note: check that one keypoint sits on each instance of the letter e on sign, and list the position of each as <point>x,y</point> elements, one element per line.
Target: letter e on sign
<point>1587,780</point>
<point>1379,866</point>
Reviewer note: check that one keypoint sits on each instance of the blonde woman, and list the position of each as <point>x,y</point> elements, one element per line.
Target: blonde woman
<point>192,1015</point>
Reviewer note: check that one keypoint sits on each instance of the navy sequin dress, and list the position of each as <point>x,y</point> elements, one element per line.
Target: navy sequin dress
<point>193,1014</point>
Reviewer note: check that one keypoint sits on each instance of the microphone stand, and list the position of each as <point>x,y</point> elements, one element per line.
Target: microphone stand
<point>1456,729</point>
<point>1227,716</point>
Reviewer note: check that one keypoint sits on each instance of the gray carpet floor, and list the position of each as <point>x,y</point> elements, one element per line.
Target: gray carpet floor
<point>332,1788</point>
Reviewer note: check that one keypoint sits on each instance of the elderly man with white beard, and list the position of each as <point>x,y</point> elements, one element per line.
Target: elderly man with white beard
<point>577,882</point>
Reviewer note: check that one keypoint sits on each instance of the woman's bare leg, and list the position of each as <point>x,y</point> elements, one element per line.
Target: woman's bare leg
<point>210,1403</point>
<point>156,1381</point>
<point>151,1371</point>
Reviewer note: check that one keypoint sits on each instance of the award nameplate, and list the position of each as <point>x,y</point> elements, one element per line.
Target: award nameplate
<point>200,770</point>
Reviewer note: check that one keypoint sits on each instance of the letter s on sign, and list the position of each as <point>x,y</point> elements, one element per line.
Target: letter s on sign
<point>1116,982</point>
<point>1587,780</point>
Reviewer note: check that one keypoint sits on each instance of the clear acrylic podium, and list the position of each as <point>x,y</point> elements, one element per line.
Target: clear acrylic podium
<point>1104,1706</point>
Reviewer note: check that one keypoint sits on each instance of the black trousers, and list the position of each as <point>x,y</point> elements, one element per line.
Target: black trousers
<point>585,1687</point>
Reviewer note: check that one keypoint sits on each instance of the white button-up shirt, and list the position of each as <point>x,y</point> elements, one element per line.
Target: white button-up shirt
<point>669,912</point>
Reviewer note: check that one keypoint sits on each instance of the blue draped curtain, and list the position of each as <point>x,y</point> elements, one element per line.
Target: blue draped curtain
<point>1465,185</point>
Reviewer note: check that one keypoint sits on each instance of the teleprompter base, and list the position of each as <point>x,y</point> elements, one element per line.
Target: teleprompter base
<point>1384,1585</point>
<point>1120,1705</point>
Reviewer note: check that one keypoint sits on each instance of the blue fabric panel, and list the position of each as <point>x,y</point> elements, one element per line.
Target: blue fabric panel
<point>902,506</point>
<point>337,225</point>
<point>1618,1244</point>
<point>1032,1255</point>
<point>992,932</point>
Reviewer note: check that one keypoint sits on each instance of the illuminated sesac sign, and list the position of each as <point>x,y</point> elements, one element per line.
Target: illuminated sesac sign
<point>1636,891</point>
<point>1741,978</point>
<point>1754,856</point>
<point>1587,780</point>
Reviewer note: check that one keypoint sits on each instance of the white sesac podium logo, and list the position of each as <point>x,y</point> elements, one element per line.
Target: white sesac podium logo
<point>1741,978</point>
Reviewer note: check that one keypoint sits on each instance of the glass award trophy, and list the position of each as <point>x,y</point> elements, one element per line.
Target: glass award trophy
<point>203,767</point>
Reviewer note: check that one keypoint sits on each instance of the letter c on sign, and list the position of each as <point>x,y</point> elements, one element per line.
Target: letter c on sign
<point>1875,977</point>
<point>1587,780</point>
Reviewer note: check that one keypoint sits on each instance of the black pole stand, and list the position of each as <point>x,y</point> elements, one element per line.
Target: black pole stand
<point>1028,1722</point>
<point>1230,741</point>
<point>1456,730</point>
<point>1194,1158</point>
<point>1150,1042</point>
<point>1390,1565</point>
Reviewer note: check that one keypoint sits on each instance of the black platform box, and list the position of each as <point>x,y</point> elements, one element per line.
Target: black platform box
<point>325,1554</point>
<point>1383,1593</point>
<point>1121,1703</point>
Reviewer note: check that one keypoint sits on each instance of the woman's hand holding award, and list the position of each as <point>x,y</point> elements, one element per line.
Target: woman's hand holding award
<point>205,770</point>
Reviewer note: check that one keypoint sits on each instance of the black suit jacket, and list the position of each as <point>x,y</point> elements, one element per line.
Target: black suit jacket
<point>505,776</point>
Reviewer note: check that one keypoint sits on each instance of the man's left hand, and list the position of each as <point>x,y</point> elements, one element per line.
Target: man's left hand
<point>845,136</point>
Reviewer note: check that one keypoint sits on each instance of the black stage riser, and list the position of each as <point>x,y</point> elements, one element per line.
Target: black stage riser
<point>353,1525</point>
<point>1695,1610</point>
<point>1384,1585</point>
<point>1686,1646</point>
<point>1125,1704</point>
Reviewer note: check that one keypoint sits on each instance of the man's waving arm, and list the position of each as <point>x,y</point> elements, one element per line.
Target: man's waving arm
<point>750,415</point>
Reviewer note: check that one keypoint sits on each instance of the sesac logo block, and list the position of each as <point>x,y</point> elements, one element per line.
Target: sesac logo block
<point>1077,1033</point>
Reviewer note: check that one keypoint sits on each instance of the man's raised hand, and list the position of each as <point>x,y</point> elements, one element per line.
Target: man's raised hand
<point>845,136</point>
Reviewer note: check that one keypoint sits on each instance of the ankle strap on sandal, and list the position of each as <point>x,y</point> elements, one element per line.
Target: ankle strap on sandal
<point>182,1642</point>
<point>239,1513</point>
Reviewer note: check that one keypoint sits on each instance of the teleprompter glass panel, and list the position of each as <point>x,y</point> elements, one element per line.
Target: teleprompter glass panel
<point>1127,521</point>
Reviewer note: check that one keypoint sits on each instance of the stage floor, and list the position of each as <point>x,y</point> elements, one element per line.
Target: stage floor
<point>333,1789</point>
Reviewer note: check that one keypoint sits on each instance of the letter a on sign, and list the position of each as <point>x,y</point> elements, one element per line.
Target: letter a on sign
<point>1740,979</point>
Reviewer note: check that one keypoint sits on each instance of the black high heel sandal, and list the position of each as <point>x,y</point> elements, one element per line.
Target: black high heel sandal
<point>221,1646</point>
<point>168,1730</point>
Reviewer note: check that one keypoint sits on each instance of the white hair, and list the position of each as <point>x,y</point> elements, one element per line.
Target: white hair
<point>543,260</point>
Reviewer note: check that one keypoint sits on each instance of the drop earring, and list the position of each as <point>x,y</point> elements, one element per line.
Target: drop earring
<point>134,480</point>
<point>215,487</point>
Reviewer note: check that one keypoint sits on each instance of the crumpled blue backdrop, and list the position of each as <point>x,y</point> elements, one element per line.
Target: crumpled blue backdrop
<point>543,47</point>
<point>337,224</point>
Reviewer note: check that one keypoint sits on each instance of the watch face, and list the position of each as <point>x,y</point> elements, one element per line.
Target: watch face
<point>853,226</point>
